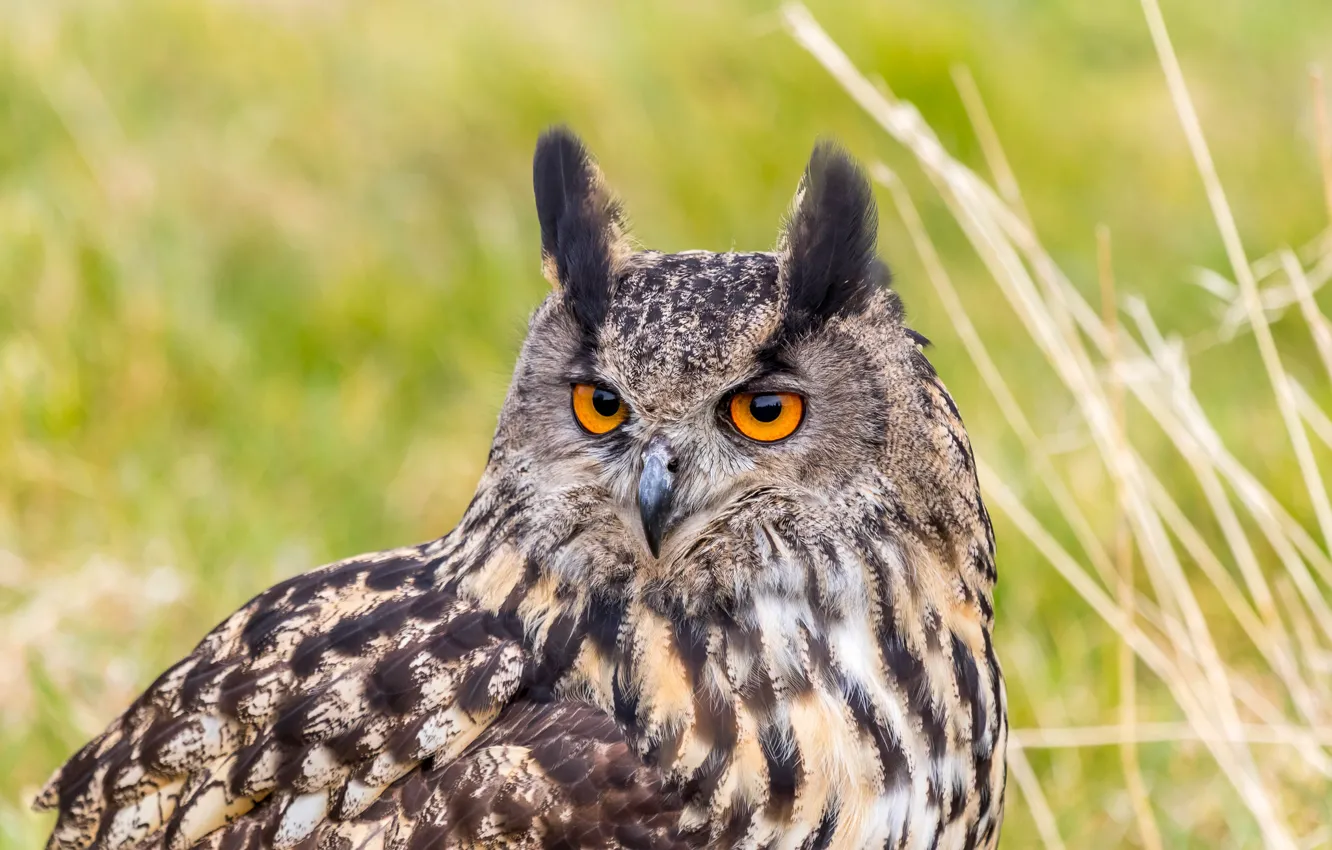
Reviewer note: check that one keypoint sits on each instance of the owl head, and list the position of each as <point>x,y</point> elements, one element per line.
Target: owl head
<point>701,425</point>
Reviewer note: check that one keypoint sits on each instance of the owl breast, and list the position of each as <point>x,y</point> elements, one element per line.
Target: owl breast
<point>822,735</point>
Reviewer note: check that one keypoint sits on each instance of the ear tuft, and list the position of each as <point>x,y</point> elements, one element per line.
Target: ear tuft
<point>583,239</point>
<point>827,245</point>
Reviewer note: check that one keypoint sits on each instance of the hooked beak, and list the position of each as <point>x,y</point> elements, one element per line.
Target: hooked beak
<point>656,486</point>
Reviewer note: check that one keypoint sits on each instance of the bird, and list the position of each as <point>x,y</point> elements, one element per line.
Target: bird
<point>726,581</point>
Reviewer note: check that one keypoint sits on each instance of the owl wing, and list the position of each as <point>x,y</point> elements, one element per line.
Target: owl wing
<point>311,700</point>
<point>542,775</point>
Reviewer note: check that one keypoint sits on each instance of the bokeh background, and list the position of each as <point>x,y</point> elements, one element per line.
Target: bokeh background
<point>265,265</point>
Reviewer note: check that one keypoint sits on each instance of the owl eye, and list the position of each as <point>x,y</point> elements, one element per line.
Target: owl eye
<point>767,417</point>
<point>598,409</point>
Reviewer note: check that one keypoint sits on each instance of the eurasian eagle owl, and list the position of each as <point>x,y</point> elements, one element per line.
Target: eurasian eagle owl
<point>726,582</point>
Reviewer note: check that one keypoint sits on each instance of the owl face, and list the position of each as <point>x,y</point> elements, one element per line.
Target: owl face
<point>666,404</point>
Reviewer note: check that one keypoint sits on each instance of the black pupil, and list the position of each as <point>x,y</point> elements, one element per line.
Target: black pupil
<point>605,402</point>
<point>765,408</point>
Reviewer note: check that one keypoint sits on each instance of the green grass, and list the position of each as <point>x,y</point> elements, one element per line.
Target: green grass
<point>264,267</point>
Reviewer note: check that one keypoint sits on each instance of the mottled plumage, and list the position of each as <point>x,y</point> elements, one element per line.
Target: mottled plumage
<point>806,662</point>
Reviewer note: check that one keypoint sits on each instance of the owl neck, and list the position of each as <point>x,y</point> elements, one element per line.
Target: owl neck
<point>831,674</point>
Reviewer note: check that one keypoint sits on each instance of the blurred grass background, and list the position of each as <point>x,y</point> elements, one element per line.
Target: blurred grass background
<point>264,267</point>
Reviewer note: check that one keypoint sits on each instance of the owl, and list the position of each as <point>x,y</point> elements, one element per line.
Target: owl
<point>726,581</point>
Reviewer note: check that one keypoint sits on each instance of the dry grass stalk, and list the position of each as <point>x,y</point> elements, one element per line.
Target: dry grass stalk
<point>1318,421</point>
<point>1128,683</point>
<point>1004,178</point>
<point>1318,324</point>
<point>1324,134</point>
<point>1020,769</point>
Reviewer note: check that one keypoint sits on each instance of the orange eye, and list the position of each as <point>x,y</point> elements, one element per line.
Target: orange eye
<point>767,417</point>
<point>598,409</point>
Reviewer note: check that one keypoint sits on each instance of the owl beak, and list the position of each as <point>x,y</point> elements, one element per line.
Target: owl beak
<point>656,487</point>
